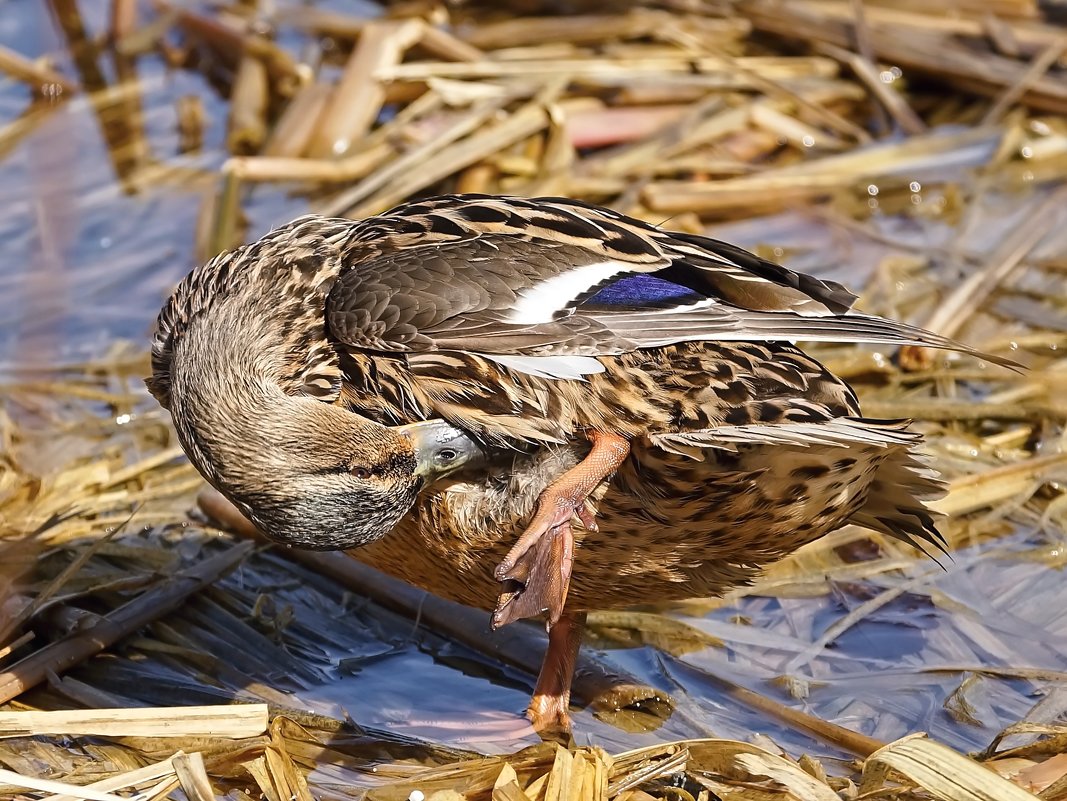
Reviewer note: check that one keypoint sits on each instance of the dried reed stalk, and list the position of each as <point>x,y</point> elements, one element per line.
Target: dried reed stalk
<point>110,628</point>
<point>351,168</point>
<point>123,19</point>
<point>772,67</point>
<point>154,772</point>
<point>523,123</point>
<point>248,106</point>
<point>892,101</point>
<point>911,47</point>
<point>50,786</point>
<point>594,29</point>
<point>37,76</point>
<point>812,179</point>
<point>359,96</point>
<point>416,157</point>
<point>231,721</point>
<point>294,128</point>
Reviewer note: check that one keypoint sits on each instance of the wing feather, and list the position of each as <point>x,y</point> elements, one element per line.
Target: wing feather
<point>509,277</point>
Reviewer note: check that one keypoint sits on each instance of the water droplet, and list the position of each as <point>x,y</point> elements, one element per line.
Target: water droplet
<point>417,795</point>
<point>1053,346</point>
<point>808,140</point>
<point>886,76</point>
<point>915,186</point>
<point>973,452</point>
<point>1040,128</point>
<point>1013,346</point>
<point>916,200</point>
<point>1026,151</point>
<point>872,190</point>
<point>123,419</point>
<point>778,252</point>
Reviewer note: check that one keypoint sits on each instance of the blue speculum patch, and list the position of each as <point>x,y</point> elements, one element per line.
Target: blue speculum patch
<point>643,290</point>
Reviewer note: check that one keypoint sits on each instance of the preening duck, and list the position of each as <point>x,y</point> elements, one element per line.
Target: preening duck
<point>533,406</point>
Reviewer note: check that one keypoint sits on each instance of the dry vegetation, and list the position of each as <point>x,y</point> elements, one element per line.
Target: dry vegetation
<point>934,138</point>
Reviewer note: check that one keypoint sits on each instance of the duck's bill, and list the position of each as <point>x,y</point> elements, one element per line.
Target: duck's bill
<point>441,449</point>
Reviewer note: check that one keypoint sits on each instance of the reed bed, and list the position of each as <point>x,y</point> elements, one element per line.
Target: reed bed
<point>147,653</point>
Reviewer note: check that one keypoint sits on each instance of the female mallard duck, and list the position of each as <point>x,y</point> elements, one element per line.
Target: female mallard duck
<point>451,386</point>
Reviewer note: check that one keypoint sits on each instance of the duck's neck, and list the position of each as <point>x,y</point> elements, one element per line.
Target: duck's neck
<point>227,385</point>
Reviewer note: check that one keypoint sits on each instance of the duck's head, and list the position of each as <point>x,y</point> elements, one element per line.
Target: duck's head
<point>317,476</point>
<point>243,363</point>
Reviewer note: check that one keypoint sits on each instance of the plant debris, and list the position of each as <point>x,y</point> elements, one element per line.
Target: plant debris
<point>914,152</point>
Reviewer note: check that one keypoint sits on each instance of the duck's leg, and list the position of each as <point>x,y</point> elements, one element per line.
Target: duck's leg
<point>542,558</point>
<point>548,710</point>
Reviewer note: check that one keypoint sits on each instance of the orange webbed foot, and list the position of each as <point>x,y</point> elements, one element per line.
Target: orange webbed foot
<point>537,569</point>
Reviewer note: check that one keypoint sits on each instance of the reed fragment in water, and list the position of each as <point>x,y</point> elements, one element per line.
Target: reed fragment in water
<point>292,132</point>
<point>953,312</point>
<point>359,95</point>
<point>248,106</point>
<point>123,19</point>
<point>258,169</point>
<point>233,721</point>
<point>231,44</point>
<point>940,770</point>
<point>148,606</point>
<point>41,79</point>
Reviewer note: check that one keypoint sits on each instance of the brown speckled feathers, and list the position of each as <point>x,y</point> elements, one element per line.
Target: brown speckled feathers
<point>533,405</point>
<point>525,322</point>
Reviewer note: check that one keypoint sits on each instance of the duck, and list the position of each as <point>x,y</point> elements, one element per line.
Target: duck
<point>534,406</point>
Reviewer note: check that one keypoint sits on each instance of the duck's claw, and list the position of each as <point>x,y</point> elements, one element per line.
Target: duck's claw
<point>537,570</point>
<point>538,578</point>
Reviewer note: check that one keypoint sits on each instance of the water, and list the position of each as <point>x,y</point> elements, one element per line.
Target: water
<point>100,207</point>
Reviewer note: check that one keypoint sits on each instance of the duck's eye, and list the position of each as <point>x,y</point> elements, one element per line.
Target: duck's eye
<point>360,472</point>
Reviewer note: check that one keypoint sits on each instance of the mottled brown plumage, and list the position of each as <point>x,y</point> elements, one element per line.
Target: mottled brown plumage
<point>522,330</point>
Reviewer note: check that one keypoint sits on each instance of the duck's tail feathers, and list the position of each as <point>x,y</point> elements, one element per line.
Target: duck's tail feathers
<point>896,504</point>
